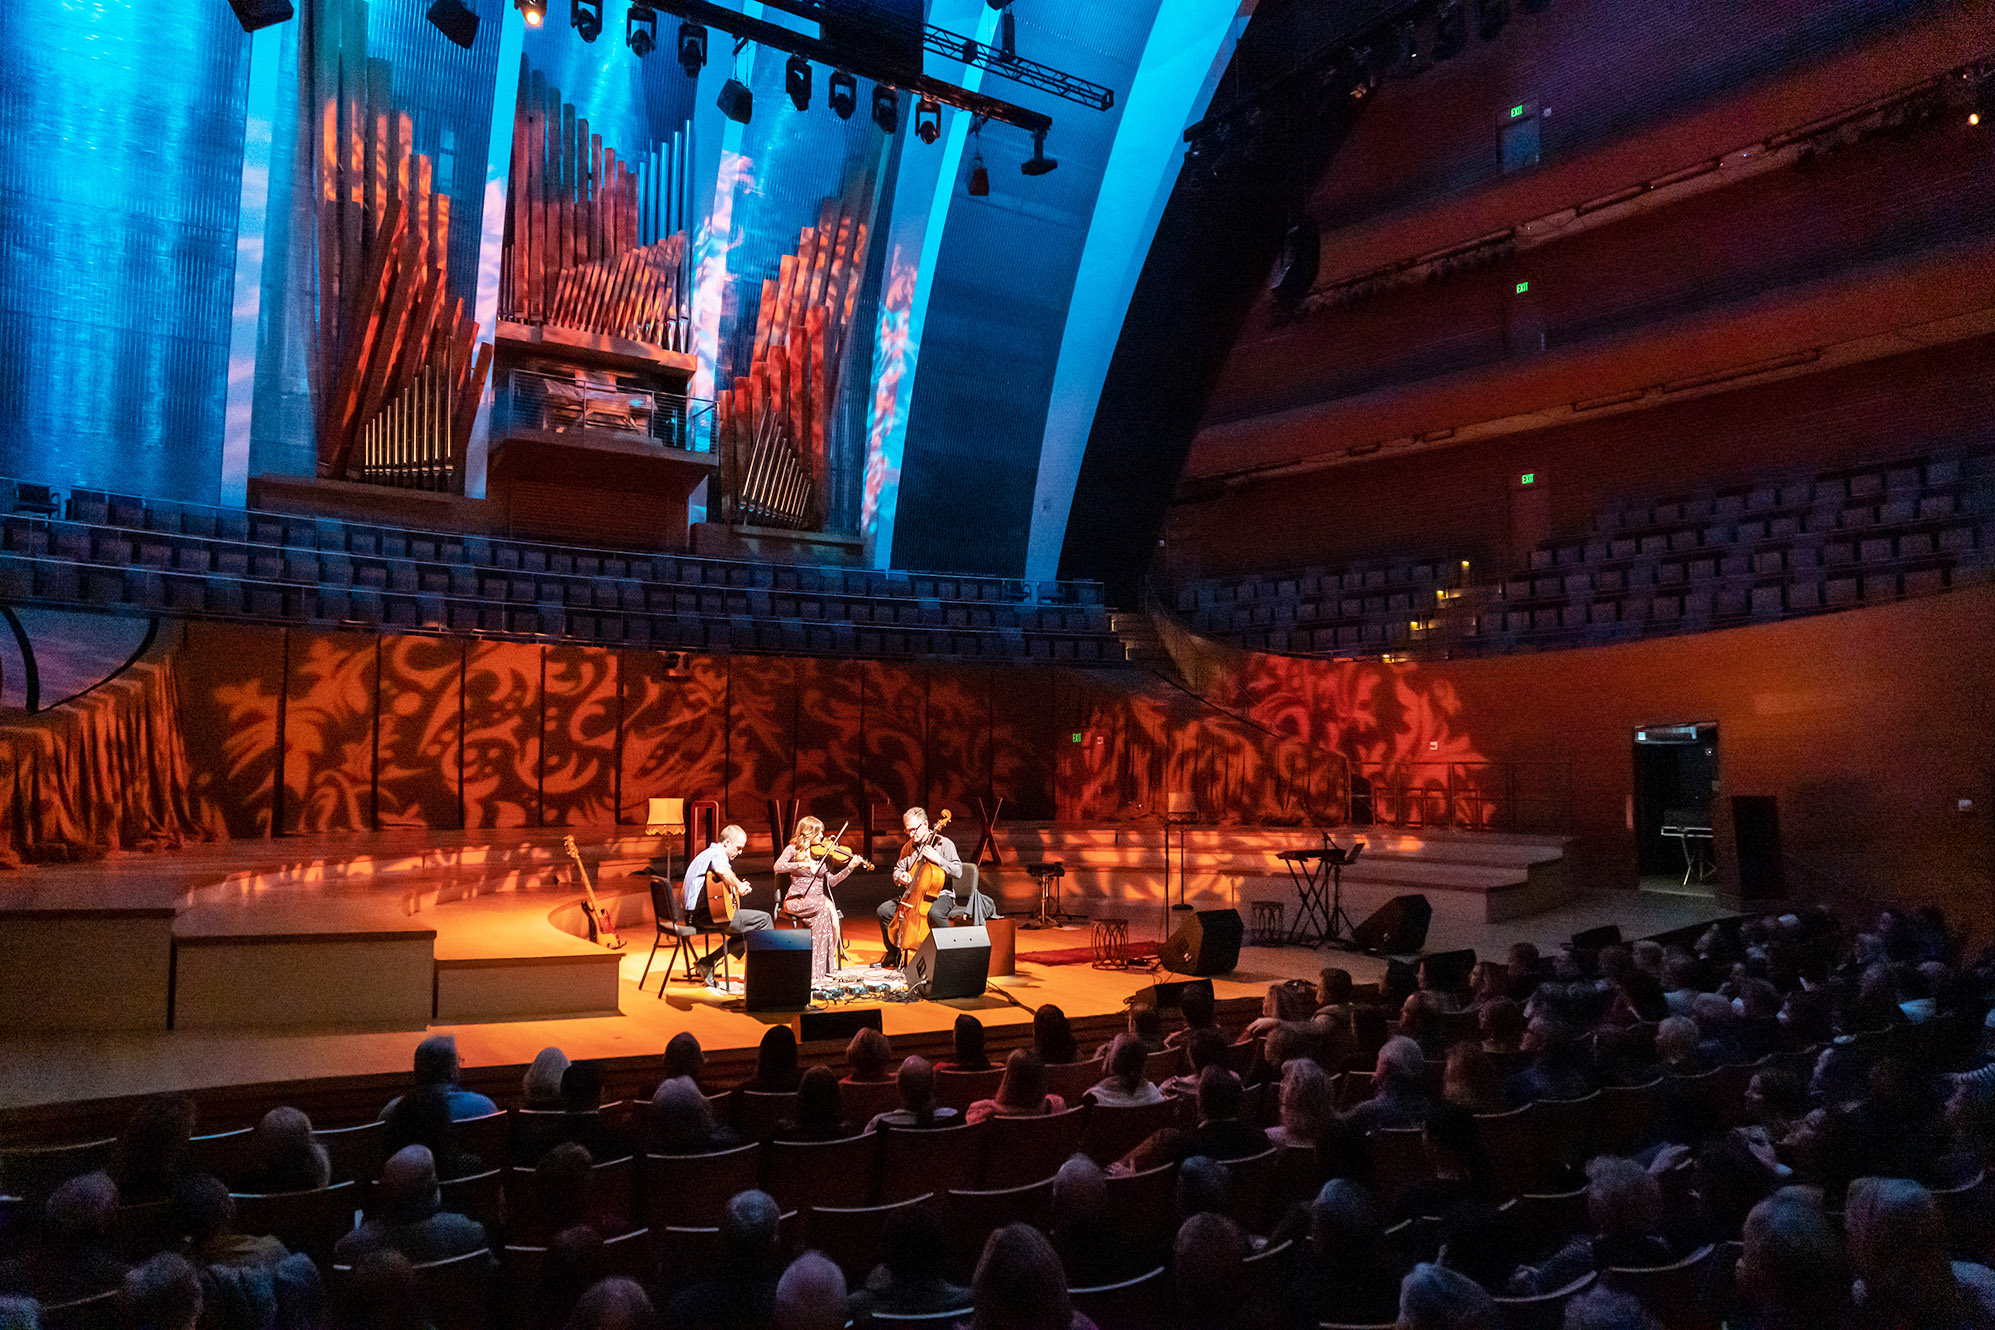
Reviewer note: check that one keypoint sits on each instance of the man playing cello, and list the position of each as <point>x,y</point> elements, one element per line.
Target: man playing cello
<point>936,849</point>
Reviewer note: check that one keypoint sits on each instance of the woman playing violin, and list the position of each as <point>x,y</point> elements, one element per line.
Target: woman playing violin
<point>815,865</point>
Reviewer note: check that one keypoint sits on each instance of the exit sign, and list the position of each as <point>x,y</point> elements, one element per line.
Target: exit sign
<point>1528,478</point>
<point>1517,111</point>
<point>1522,287</point>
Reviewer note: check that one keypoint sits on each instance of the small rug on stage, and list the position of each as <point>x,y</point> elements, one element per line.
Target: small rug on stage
<point>1083,955</point>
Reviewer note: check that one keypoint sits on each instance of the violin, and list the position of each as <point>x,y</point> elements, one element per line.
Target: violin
<point>837,855</point>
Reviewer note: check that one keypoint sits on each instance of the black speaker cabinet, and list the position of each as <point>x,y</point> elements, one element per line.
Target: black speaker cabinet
<point>952,963</point>
<point>1756,840</point>
<point>839,1023</point>
<point>778,966</point>
<point>1206,943</point>
<point>1397,928</point>
<point>1171,996</point>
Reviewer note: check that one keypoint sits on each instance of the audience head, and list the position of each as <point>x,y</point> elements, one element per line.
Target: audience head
<point>1522,961</point>
<point>1401,1064</point>
<point>1204,1186</point>
<point>582,1086</point>
<point>1791,1268</point>
<point>1019,1283</point>
<point>1500,1022</point>
<point>1024,1083</point>
<point>1775,1096</point>
<point>1346,1225</point>
<point>811,1295</point>
<point>1219,1095</point>
<point>1080,1192</point>
<point>409,1185</point>
<point>202,1209</point>
<point>561,1185</point>
<point>1146,1023</point>
<point>1208,1263</point>
<point>1622,1199</point>
<point>681,1119</point>
<point>868,1055</point>
<point>282,1147</point>
<point>1469,1078</point>
<point>1489,980</point>
<point>1198,1007</point>
<point>541,1086</point>
<point>614,1304</point>
<point>818,1107</point>
<point>436,1060</point>
<point>1676,1041</point>
<point>1897,1240</point>
<point>1126,1055</point>
<point>776,1059</point>
<point>748,1228</point>
<point>1207,1047</point>
<point>1605,1309</point>
<point>1333,986</point>
<point>969,1037</point>
<point>916,1081</point>
<point>1434,1297</point>
<point>79,1212</point>
<point>383,1293</point>
<point>20,1314</point>
<point>1398,984</point>
<point>420,1117</point>
<point>1307,1104</point>
<point>164,1293</point>
<point>685,1057</point>
<point>1053,1037</point>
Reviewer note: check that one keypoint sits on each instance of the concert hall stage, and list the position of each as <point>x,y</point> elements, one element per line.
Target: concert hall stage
<point>319,960</point>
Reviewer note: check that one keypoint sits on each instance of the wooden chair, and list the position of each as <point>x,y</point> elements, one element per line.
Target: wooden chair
<point>1163,1064</point>
<point>1411,1241</point>
<point>1352,1089</point>
<point>693,1190</point>
<point>970,1217</point>
<point>1260,1106</point>
<point>355,1151</point>
<point>915,1163</point>
<point>32,1172</point>
<point>223,1153</point>
<point>1674,1293</point>
<point>629,1254</point>
<point>1543,1220</point>
<point>1112,1133</point>
<point>1148,1200</point>
<point>307,1221</point>
<point>1566,1125</point>
<point>758,1113</point>
<point>823,1173</point>
<point>1134,1304</point>
<point>1024,1150</point>
<point>939,1320</point>
<point>1254,1193</point>
<point>458,1290</point>
<point>960,1089</point>
<point>479,1196</point>
<point>1240,1057</point>
<point>1626,1114</point>
<point>1269,1267</point>
<point>487,1136</point>
<point>1299,1175</point>
<point>612,1195</point>
<point>1398,1157</point>
<point>861,1101</point>
<point>1518,1159</point>
<point>537,1130</point>
<point>1071,1080</point>
<point>99,1311</point>
<point>854,1238</point>
<point>1541,1311</point>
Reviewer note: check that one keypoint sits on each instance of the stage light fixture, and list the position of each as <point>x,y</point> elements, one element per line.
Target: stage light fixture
<point>254,14</point>
<point>1405,44</point>
<point>796,81</point>
<point>842,92</point>
<point>455,20</point>
<point>886,108</point>
<point>1007,35</point>
<point>980,179</point>
<point>1451,30</point>
<point>998,4</point>
<point>928,120</point>
<point>640,30</point>
<point>692,48</point>
<point>1038,163</point>
<point>533,11</point>
<point>736,102</point>
<point>586,17</point>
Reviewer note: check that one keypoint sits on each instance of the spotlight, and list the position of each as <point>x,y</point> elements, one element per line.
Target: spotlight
<point>455,21</point>
<point>1490,16</point>
<point>640,30</point>
<point>1451,31</point>
<point>886,108</point>
<point>586,17</point>
<point>533,11</point>
<point>796,82</point>
<point>980,179</point>
<point>928,120</point>
<point>1007,35</point>
<point>842,93</point>
<point>692,48</point>
<point>254,14</point>
<point>736,102</point>
<point>1039,163</point>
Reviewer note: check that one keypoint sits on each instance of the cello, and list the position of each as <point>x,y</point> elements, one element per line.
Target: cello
<point>910,927</point>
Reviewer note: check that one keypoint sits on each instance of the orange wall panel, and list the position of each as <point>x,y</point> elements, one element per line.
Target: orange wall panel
<point>420,736</point>
<point>502,683</point>
<point>580,717</point>
<point>329,711</point>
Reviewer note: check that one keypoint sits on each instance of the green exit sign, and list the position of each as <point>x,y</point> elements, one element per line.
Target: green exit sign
<point>1077,737</point>
<point>1522,287</point>
<point>1528,478</point>
<point>1517,112</point>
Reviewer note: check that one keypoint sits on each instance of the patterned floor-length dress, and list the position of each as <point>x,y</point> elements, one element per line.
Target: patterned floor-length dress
<point>808,900</point>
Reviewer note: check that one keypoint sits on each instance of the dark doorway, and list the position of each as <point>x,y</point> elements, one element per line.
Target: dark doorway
<point>1676,773</point>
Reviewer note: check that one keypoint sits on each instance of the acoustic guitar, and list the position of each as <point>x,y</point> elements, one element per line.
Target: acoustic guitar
<point>722,899</point>
<point>600,930</point>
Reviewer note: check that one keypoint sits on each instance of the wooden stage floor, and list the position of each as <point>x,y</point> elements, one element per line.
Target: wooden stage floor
<point>44,1070</point>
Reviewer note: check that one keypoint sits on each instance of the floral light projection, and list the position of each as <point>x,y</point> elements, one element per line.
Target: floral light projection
<point>502,701</point>
<point>329,708</point>
<point>421,703</point>
<point>893,353</point>
<point>578,737</point>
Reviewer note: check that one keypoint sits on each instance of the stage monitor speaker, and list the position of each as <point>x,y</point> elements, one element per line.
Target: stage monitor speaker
<point>778,969</point>
<point>840,1024</point>
<point>1756,840</point>
<point>1396,928</point>
<point>952,963</point>
<point>1448,971</point>
<point>1206,943</point>
<point>1171,997</point>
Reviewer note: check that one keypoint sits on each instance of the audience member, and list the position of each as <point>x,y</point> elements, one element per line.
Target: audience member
<point>618,1304</point>
<point>1898,1247</point>
<point>284,1156</point>
<point>152,1154</point>
<point>1306,1107</point>
<point>162,1294</point>
<point>682,1121</point>
<point>1478,1240</point>
<point>1500,1022</point>
<point>1470,1079</point>
<point>776,1070</point>
<point>1791,1274</point>
<point>1459,1171</point>
<point>868,1058</point>
<point>1434,1297</point>
<point>436,1064</point>
<point>1204,1187</point>
<point>1093,1245</point>
<point>1624,1210</point>
<point>810,1295</point>
<point>1220,1134</point>
<point>1208,1265</point>
<point>1399,1098</point>
<point>1200,1012</point>
<point>1420,1021</point>
<point>1605,1309</point>
<point>918,1110</point>
<point>75,1257</point>
<point>1678,1050</point>
<point>684,1056</point>
<point>540,1088</point>
<point>968,1040</point>
<point>205,1214</point>
<point>409,1216</point>
<point>1125,1086</point>
<point>1554,1066</point>
<point>1053,1037</point>
<point>422,1117</point>
<point>910,1279</point>
<point>820,1109</point>
<point>1022,1093</point>
<point>1019,1285</point>
<point>1342,1272</point>
<point>382,1293</point>
<point>740,1291</point>
<point>1205,1048</point>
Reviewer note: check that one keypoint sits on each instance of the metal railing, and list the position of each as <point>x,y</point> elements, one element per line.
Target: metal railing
<point>1529,797</point>
<point>557,404</point>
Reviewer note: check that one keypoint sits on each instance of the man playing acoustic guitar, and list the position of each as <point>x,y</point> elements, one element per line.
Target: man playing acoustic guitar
<point>716,861</point>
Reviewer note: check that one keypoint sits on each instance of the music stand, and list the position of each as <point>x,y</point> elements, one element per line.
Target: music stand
<point>1319,886</point>
<point>1342,929</point>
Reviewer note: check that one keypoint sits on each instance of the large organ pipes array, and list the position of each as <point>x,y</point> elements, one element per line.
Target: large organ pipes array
<point>385,320</point>
<point>593,242</point>
<point>771,424</point>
